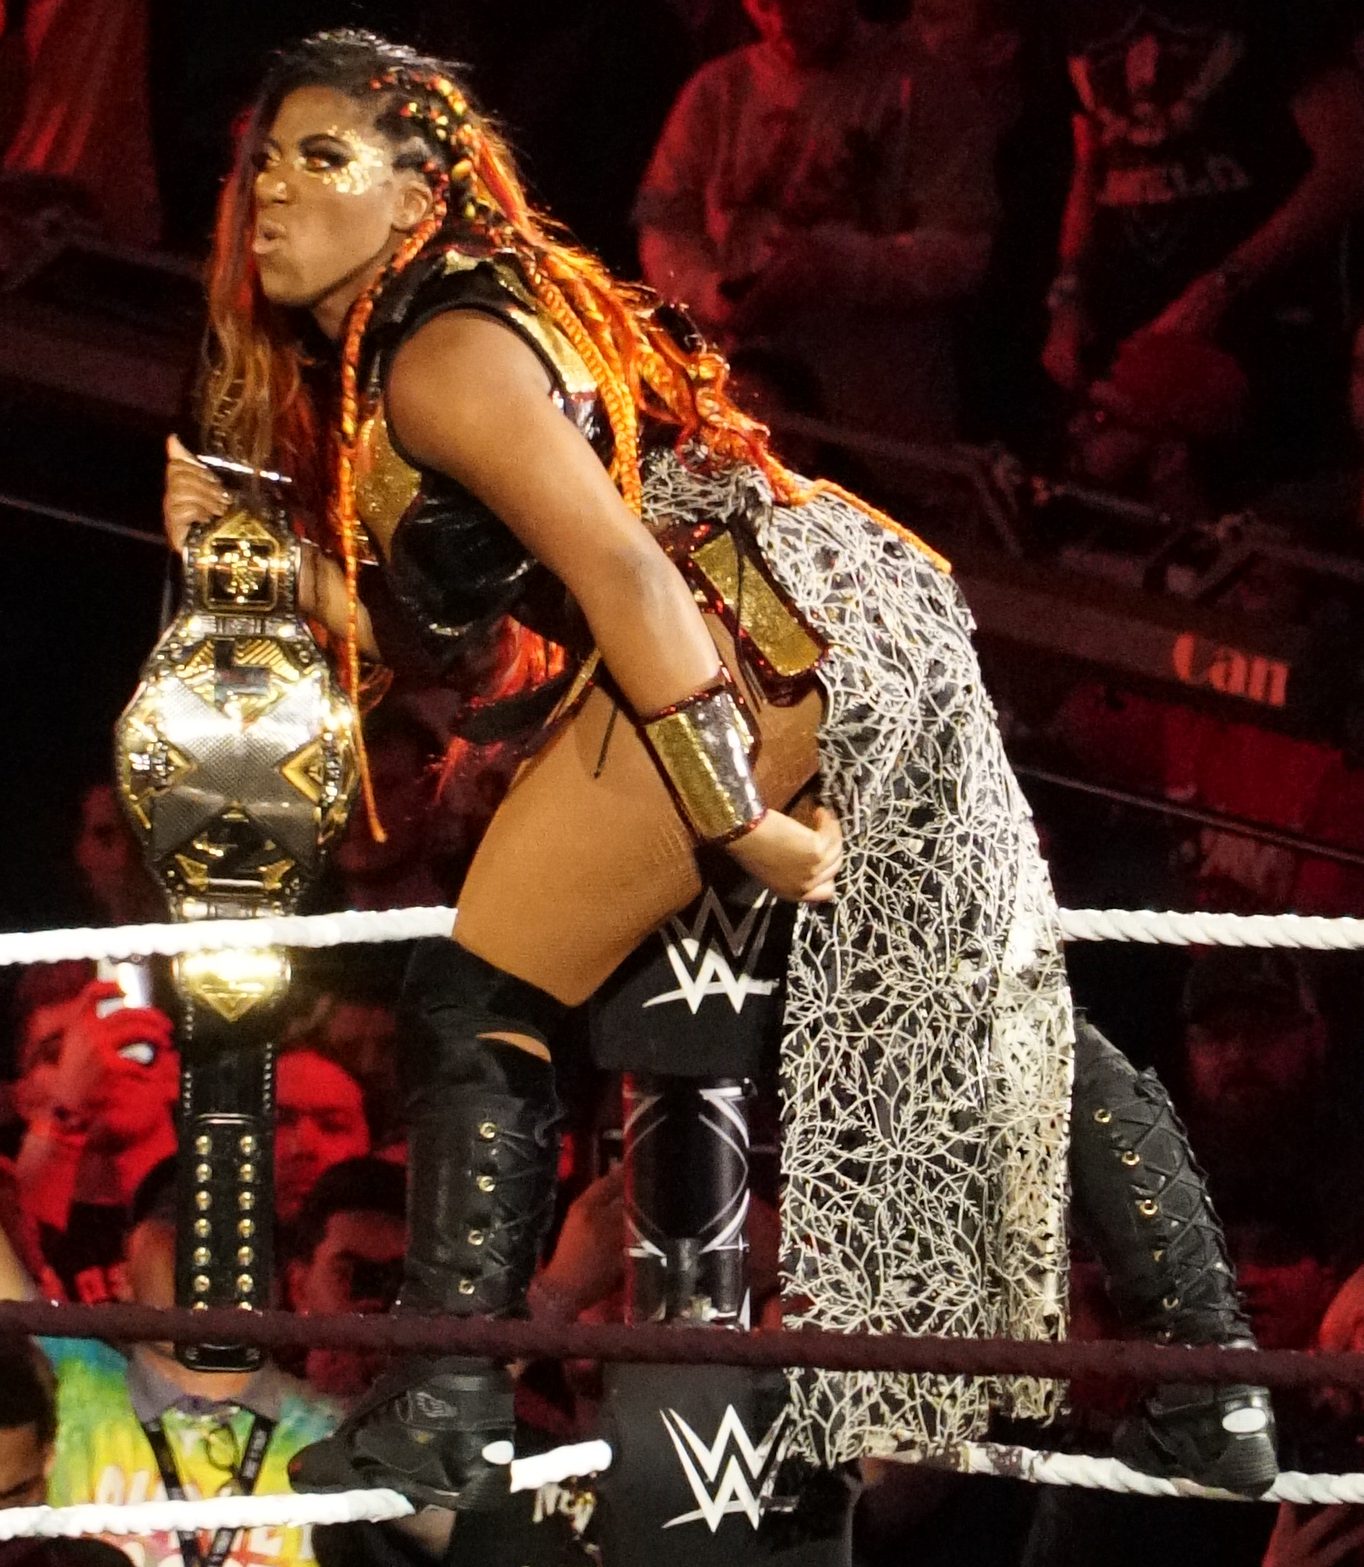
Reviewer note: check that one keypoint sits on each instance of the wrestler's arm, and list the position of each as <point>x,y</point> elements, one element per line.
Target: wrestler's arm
<point>467,397</point>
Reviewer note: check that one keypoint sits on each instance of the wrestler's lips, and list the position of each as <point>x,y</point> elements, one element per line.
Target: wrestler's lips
<point>269,236</point>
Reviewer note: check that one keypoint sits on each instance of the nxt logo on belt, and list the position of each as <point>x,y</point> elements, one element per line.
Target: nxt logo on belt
<point>715,955</point>
<point>732,1475</point>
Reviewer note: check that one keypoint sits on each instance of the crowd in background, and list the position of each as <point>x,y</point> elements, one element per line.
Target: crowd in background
<point>1115,236</point>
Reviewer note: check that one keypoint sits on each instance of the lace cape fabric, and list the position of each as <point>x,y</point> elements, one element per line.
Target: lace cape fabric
<point>927,1031</point>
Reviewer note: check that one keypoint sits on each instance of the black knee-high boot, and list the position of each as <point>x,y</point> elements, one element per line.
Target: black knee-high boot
<point>482,1154</point>
<point>1142,1204</point>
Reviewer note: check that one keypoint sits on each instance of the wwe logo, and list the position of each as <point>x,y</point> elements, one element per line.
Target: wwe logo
<point>732,1475</point>
<point>703,968</point>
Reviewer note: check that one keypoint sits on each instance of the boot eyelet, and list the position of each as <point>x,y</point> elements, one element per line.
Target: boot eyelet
<point>475,1237</point>
<point>1148,1207</point>
<point>1170,1303</point>
<point>485,1183</point>
<point>1131,1158</point>
<point>1103,1117</point>
<point>487,1130</point>
<point>466,1286</point>
<point>1158,1255</point>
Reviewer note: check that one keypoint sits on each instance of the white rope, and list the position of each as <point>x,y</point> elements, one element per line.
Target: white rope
<point>1214,930</point>
<point>218,1512</point>
<point>281,930</point>
<point>279,1511</point>
<point>287,1510</point>
<point>1087,1472</point>
<point>334,930</point>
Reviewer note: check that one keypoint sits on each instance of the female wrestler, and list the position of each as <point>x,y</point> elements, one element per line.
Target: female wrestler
<point>513,438</point>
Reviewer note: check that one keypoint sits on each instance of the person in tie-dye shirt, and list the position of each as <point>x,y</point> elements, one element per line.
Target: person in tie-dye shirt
<point>111,1408</point>
<point>105,1402</point>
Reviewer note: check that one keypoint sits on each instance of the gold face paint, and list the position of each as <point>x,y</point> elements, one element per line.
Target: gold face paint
<point>364,170</point>
<point>367,166</point>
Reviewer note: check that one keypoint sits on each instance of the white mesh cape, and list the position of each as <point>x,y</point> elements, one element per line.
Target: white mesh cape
<point>926,1044</point>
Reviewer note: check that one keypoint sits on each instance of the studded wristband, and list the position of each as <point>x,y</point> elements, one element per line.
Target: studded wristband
<point>702,746</point>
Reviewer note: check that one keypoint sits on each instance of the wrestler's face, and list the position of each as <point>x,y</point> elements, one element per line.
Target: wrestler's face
<point>330,207</point>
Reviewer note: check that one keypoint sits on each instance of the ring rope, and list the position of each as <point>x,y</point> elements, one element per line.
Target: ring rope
<point>1090,1473</point>
<point>1317,932</point>
<point>669,1344</point>
<point>289,1509</point>
<point>281,1510</point>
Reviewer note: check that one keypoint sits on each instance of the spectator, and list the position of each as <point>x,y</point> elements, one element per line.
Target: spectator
<point>350,1019</point>
<point>825,196</point>
<point>99,1093</point>
<point>1322,1537</point>
<point>28,1436</point>
<point>1342,1324</point>
<point>360,1032</point>
<point>28,1424</point>
<point>40,1003</point>
<point>1150,425</point>
<point>1219,151</point>
<point>1254,1054</point>
<point>348,1257</point>
<point>86,117</point>
<point>1285,1279</point>
<point>319,1121</point>
<point>112,1408</point>
<point>110,862</point>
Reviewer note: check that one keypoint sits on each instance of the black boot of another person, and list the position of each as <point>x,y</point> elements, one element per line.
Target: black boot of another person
<point>1142,1204</point>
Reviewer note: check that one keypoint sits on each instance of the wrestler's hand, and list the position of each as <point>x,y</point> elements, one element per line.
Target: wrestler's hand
<point>794,861</point>
<point>192,494</point>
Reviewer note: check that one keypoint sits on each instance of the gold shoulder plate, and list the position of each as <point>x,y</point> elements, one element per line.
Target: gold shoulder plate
<point>385,485</point>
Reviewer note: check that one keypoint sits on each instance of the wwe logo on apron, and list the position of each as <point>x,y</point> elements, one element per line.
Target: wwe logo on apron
<point>733,1474</point>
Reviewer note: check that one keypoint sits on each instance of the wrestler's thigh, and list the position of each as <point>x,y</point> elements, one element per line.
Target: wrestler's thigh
<point>586,855</point>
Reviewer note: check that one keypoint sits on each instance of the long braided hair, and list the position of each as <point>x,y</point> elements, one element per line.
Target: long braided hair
<point>258,403</point>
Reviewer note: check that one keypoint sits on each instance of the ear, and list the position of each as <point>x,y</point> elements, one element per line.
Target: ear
<point>412,205</point>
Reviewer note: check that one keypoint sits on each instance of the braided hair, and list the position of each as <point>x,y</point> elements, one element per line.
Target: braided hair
<point>257,403</point>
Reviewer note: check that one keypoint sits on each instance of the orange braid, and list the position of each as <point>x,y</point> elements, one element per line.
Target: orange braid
<point>345,518</point>
<point>598,353</point>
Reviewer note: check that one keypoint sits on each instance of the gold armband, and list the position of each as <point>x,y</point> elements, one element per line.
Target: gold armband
<point>702,746</point>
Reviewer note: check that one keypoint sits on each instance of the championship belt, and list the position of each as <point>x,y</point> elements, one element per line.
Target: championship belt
<point>236,763</point>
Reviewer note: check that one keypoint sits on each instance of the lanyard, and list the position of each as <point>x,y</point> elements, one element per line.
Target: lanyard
<point>253,1460</point>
